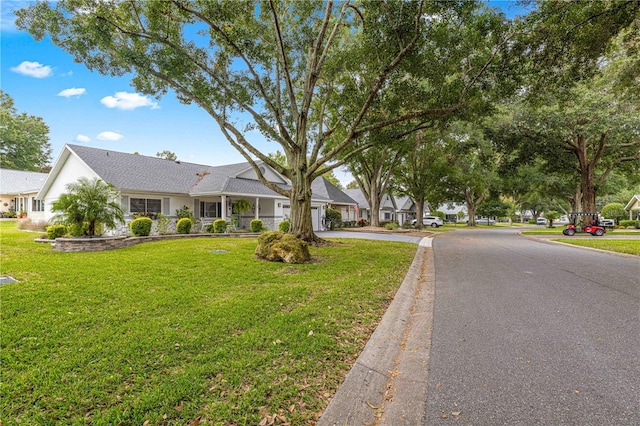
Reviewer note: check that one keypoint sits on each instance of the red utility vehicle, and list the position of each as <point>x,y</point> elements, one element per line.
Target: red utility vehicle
<point>590,224</point>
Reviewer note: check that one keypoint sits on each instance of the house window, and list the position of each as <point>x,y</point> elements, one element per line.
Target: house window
<point>37,205</point>
<point>145,205</point>
<point>210,209</point>
<point>387,216</point>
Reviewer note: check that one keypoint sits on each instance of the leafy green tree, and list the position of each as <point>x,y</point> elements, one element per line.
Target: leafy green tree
<point>353,185</point>
<point>307,75</point>
<point>167,155</point>
<point>614,211</point>
<point>493,207</point>
<point>421,170</point>
<point>472,164</point>
<point>24,139</point>
<point>551,215</point>
<point>564,42</point>
<point>594,134</point>
<point>373,168</point>
<point>87,205</point>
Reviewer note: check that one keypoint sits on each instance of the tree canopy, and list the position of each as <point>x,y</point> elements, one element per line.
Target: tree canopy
<point>24,139</point>
<point>311,76</point>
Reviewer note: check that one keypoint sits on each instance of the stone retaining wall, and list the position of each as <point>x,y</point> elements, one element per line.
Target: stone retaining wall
<point>112,243</point>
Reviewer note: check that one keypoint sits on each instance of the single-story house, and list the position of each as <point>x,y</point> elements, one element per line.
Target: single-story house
<point>340,201</point>
<point>156,185</point>
<point>454,212</point>
<point>362,210</point>
<point>392,208</point>
<point>18,190</point>
<point>387,211</point>
<point>634,206</point>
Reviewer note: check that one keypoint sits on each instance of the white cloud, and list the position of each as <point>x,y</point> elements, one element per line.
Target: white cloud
<point>67,93</point>
<point>82,138</point>
<point>33,69</point>
<point>109,136</point>
<point>128,101</point>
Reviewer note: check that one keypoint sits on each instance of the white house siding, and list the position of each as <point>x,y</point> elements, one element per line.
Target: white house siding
<point>70,172</point>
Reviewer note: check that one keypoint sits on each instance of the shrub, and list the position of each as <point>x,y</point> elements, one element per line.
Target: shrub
<point>184,212</point>
<point>630,223</point>
<point>141,227</point>
<point>256,225</point>
<point>391,226</point>
<point>77,229</point>
<point>362,222</point>
<point>277,246</point>
<point>284,226</point>
<point>184,225</point>
<point>614,211</point>
<point>219,226</point>
<point>56,231</point>
<point>162,226</point>
<point>333,219</point>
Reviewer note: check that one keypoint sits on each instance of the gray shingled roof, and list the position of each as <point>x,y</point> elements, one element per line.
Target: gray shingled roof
<point>151,174</point>
<point>322,188</point>
<point>140,172</point>
<point>357,195</point>
<point>18,181</point>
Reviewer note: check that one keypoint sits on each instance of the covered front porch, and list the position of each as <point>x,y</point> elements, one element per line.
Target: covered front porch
<point>271,210</point>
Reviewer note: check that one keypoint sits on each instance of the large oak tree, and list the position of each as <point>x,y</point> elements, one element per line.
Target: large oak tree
<point>307,75</point>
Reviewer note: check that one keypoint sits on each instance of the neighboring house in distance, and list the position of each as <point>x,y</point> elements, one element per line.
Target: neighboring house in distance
<point>340,201</point>
<point>452,212</point>
<point>155,185</point>
<point>400,209</point>
<point>363,210</point>
<point>634,207</point>
<point>405,209</point>
<point>18,190</point>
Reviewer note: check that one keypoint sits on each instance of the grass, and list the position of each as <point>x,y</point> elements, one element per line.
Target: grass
<point>170,333</point>
<point>620,246</point>
<point>558,231</point>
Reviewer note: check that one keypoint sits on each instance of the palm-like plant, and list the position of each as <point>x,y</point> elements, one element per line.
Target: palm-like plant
<point>87,204</point>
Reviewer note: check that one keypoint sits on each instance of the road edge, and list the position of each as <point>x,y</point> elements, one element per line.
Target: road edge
<point>376,389</point>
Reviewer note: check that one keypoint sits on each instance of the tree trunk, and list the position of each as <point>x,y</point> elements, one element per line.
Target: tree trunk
<point>374,202</point>
<point>419,211</point>
<point>587,175</point>
<point>301,223</point>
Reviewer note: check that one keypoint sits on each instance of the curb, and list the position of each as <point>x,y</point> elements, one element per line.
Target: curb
<point>388,382</point>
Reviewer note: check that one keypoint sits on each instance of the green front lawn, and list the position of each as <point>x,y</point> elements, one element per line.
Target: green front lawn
<point>620,246</point>
<point>172,332</point>
<point>558,231</point>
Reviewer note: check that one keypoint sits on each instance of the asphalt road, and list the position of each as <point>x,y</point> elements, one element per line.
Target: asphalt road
<point>531,333</point>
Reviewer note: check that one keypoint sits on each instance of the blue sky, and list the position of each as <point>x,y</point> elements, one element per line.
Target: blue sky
<point>85,107</point>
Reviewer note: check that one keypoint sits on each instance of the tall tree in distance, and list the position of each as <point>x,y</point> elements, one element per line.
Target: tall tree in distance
<point>288,69</point>
<point>24,139</point>
<point>421,172</point>
<point>167,155</point>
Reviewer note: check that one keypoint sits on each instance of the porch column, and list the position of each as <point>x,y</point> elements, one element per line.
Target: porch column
<point>223,213</point>
<point>257,208</point>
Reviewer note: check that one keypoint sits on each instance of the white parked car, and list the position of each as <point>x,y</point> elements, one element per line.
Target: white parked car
<point>432,221</point>
<point>541,221</point>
